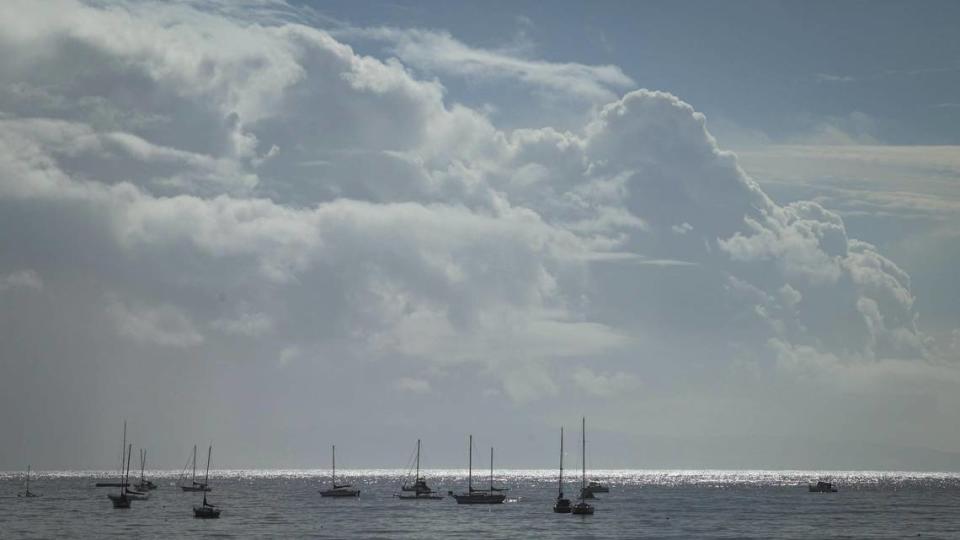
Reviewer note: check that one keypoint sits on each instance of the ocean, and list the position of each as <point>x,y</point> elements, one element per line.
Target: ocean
<point>641,504</point>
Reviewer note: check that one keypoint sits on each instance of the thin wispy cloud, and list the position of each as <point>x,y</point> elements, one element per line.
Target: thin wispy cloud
<point>439,52</point>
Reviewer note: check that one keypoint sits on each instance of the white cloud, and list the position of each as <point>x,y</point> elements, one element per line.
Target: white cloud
<point>246,324</point>
<point>422,237</point>
<point>437,51</point>
<point>163,325</point>
<point>412,385</point>
<point>22,279</point>
<point>604,384</point>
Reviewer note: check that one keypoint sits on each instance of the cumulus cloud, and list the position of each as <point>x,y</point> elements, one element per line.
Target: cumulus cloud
<point>315,206</point>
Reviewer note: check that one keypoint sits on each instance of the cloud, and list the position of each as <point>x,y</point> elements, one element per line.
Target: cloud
<point>163,325</point>
<point>605,385</point>
<point>413,386</point>
<point>246,324</point>
<point>439,52</point>
<point>22,279</point>
<point>421,238</point>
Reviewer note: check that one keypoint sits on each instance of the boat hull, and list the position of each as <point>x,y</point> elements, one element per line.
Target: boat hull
<point>119,501</point>
<point>480,498</point>
<point>195,488</point>
<point>421,497</point>
<point>582,509</point>
<point>340,493</point>
<point>562,506</point>
<point>206,512</point>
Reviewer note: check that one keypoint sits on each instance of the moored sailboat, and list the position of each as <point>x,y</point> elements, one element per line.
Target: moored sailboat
<point>144,484</point>
<point>419,490</point>
<point>584,508</point>
<point>562,506</point>
<point>122,499</point>
<point>206,510</point>
<point>193,485</point>
<point>338,490</point>
<point>27,493</point>
<point>479,496</point>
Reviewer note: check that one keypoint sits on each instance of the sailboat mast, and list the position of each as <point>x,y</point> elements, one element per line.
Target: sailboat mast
<point>143,462</point>
<point>560,483</point>
<point>123,449</point>
<point>206,475</point>
<point>126,479</point>
<point>28,479</point>
<point>417,479</point>
<point>583,477</point>
<point>491,468</point>
<point>470,466</point>
<point>194,478</point>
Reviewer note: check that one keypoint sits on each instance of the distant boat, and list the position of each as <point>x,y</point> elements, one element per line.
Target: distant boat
<point>27,493</point>
<point>479,496</point>
<point>822,487</point>
<point>122,499</point>
<point>193,485</point>
<point>206,510</point>
<point>562,506</point>
<point>144,484</point>
<point>584,508</point>
<point>419,489</point>
<point>597,487</point>
<point>338,490</point>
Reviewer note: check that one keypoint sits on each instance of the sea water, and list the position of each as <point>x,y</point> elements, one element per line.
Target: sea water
<point>641,504</point>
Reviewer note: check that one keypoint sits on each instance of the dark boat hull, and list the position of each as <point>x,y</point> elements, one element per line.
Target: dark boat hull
<point>340,493</point>
<point>206,512</point>
<point>562,506</point>
<point>480,498</point>
<point>195,488</point>
<point>582,509</point>
<point>119,501</point>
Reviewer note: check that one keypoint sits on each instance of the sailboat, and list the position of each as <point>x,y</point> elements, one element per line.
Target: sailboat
<point>584,508</point>
<point>123,452</point>
<point>27,493</point>
<point>479,496</point>
<point>193,485</point>
<point>144,484</point>
<point>420,489</point>
<point>122,499</point>
<point>206,510</point>
<point>562,506</point>
<point>338,490</point>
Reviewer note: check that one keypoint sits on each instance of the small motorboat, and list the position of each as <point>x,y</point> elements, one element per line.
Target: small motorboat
<point>597,487</point>
<point>822,487</point>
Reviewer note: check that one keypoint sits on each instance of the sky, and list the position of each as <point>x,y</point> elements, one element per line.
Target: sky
<point>725,232</point>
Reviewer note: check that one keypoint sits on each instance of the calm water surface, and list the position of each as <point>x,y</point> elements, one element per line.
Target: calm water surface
<point>641,504</point>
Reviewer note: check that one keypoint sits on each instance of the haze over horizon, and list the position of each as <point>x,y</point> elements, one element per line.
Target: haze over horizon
<point>727,233</point>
